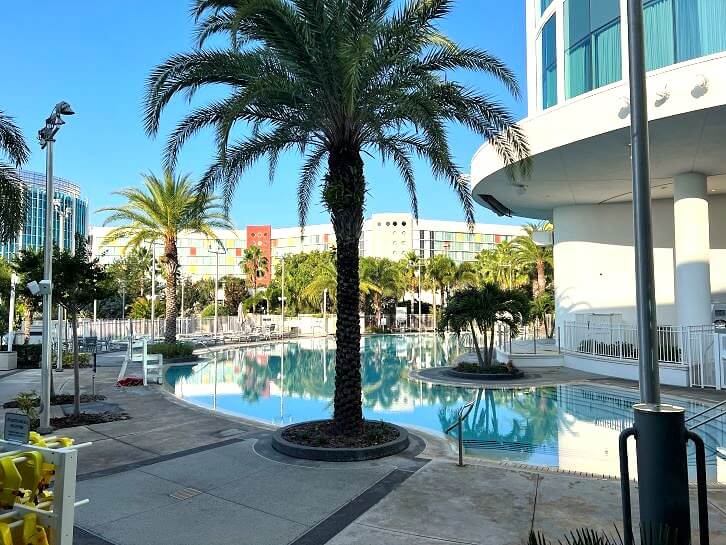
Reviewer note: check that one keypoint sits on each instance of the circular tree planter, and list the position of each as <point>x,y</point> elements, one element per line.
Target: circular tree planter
<point>338,454</point>
<point>488,377</point>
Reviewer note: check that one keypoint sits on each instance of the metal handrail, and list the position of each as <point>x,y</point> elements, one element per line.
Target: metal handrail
<point>712,407</point>
<point>463,415</point>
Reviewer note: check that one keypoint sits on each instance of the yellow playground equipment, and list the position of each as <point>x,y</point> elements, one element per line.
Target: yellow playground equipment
<point>30,513</point>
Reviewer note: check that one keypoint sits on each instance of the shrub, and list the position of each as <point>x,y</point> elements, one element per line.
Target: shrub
<point>84,360</point>
<point>28,403</point>
<point>29,355</point>
<point>208,311</point>
<point>172,350</point>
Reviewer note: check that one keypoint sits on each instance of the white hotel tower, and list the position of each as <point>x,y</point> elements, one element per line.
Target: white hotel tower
<point>579,133</point>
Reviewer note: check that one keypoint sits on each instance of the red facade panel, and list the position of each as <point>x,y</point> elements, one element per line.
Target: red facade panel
<point>261,236</point>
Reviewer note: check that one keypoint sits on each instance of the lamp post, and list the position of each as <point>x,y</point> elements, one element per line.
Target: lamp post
<point>282,300</point>
<point>183,281</point>
<point>220,250</point>
<point>11,312</point>
<point>325,311</point>
<point>659,429</point>
<point>46,137</point>
<point>63,214</point>
<point>153,289</point>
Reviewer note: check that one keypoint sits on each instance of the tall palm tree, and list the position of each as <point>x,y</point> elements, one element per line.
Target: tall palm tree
<point>255,265</point>
<point>12,194</point>
<point>439,272</point>
<point>385,276</point>
<point>334,80</point>
<point>163,209</point>
<point>326,277</point>
<point>498,265</point>
<point>530,255</point>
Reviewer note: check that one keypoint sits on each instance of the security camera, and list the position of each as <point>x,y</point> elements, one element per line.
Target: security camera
<point>39,288</point>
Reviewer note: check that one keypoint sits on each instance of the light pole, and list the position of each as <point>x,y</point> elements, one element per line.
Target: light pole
<point>46,137</point>
<point>153,289</point>
<point>325,311</point>
<point>63,214</point>
<point>282,299</point>
<point>220,250</point>
<point>659,429</point>
<point>11,312</point>
<point>183,281</point>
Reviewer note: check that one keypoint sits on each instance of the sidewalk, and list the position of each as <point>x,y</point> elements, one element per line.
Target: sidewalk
<point>179,475</point>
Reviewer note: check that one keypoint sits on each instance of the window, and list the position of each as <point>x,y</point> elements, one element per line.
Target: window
<point>548,44</point>
<point>680,30</point>
<point>592,42</point>
<point>544,4</point>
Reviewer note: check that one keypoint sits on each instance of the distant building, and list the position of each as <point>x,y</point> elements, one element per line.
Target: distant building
<point>68,203</point>
<point>384,235</point>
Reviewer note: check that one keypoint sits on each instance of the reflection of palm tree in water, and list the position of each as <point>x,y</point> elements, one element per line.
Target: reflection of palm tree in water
<point>535,422</point>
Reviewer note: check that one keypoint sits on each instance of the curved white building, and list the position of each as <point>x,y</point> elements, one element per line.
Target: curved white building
<point>579,132</point>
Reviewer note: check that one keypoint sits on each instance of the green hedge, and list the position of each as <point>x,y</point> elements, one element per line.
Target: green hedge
<point>172,350</point>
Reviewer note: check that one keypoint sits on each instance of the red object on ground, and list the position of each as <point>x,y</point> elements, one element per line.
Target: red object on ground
<point>130,381</point>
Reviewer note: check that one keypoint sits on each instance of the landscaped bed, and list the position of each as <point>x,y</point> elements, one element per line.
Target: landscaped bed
<point>87,419</point>
<point>60,399</point>
<point>319,440</point>
<point>473,371</point>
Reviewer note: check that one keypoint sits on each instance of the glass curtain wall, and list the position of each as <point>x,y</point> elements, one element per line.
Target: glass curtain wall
<point>544,4</point>
<point>593,47</point>
<point>680,30</point>
<point>548,45</point>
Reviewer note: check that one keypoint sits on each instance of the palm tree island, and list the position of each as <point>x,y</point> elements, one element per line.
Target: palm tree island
<point>334,81</point>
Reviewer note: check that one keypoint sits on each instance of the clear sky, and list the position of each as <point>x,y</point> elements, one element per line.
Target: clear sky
<point>97,55</point>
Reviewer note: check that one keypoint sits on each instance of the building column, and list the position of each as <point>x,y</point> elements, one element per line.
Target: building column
<point>692,250</point>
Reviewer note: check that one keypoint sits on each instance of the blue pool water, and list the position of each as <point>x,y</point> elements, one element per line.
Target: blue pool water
<point>573,427</point>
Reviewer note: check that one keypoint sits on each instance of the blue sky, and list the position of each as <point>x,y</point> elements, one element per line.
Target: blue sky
<point>97,55</point>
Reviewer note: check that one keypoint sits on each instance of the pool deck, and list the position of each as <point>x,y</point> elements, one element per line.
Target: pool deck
<point>180,475</point>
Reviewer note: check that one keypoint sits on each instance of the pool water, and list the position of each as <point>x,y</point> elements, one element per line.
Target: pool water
<point>572,427</point>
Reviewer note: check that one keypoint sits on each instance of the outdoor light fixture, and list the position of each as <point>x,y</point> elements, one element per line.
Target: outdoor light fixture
<point>492,203</point>
<point>701,87</point>
<point>46,138</point>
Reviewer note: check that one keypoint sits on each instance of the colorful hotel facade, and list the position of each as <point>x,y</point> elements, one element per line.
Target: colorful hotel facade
<point>390,235</point>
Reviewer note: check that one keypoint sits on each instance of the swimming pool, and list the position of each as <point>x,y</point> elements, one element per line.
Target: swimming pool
<point>573,427</point>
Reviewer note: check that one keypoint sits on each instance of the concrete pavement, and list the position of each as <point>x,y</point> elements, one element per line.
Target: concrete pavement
<point>182,475</point>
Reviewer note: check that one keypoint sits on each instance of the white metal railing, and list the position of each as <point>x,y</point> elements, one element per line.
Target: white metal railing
<point>701,348</point>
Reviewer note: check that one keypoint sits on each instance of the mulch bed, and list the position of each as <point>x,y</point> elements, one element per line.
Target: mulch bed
<point>491,370</point>
<point>87,419</point>
<point>61,399</point>
<point>324,434</point>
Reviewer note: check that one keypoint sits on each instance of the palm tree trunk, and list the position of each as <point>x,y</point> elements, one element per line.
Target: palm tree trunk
<point>490,349</point>
<point>541,279</point>
<point>476,346</point>
<point>344,196</point>
<point>76,370</point>
<point>171,264</point>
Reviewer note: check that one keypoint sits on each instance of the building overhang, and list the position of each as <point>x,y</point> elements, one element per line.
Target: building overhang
<point>581,150</point>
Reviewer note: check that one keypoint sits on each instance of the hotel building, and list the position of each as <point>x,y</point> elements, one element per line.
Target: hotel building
<point>391,235</point>
<point>579,134</point>
<point>69,207</point>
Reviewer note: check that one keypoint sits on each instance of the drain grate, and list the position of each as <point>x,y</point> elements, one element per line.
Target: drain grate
<point>185,493</point>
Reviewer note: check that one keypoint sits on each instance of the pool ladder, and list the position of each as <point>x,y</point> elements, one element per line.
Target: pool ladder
<point>463,414</point>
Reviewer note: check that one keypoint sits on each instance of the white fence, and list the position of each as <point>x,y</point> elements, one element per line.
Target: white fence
<point>701,348</point>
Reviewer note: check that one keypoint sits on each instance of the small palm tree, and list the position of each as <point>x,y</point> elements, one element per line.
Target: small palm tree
<point>485,307</point>
<point>160,211</point>
<point>12,193</point>
<point>255,265</point>
<point>335,80</point>
<point>530,255</point>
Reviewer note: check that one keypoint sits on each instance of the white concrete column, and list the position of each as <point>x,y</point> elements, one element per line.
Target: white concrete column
<point>692,250</point>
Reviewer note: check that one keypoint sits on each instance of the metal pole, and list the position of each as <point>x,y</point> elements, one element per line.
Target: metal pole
<point>216,294</point>
<point>123,303</point>
<point>460,440</point>
<point>11,313</point>
<point>283,298</point>
<point>182,303</point>
<point>61,244</point>
<point>153,289</point>
<point>325,311</point>
<point>48,297</point>
<point>419,293</point>
<point>642,214</point>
